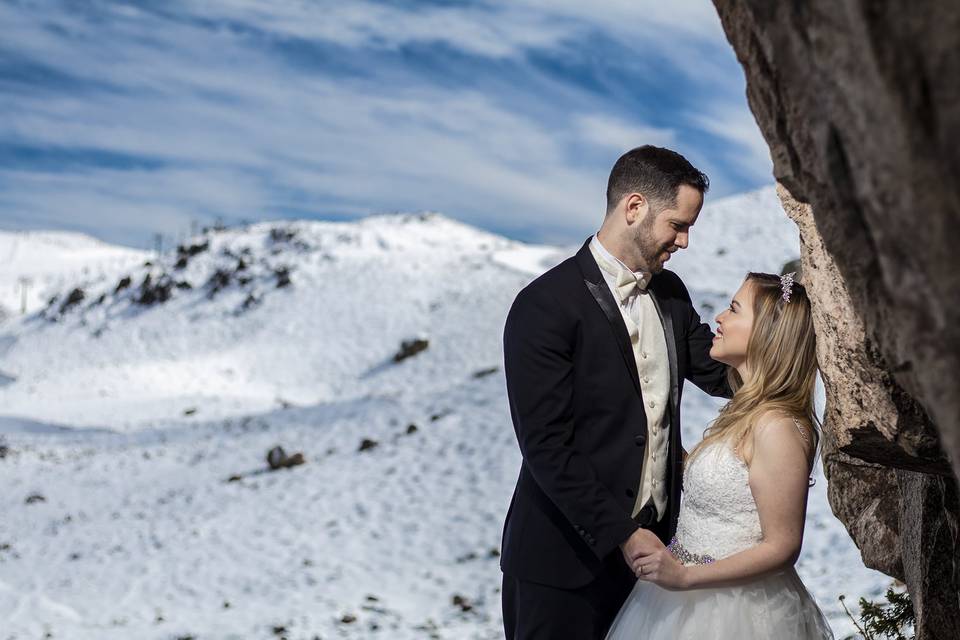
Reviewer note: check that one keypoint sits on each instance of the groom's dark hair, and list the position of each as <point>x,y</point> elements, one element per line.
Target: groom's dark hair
<point>655,172</point>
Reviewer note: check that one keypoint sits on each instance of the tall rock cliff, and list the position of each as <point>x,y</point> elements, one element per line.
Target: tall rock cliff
<point>859,102</point>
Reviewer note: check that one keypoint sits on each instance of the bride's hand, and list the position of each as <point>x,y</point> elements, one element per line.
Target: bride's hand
<point>643,542</point>
<point>661,568</point>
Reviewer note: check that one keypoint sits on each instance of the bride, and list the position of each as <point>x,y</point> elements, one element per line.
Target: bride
<point>728,572</point>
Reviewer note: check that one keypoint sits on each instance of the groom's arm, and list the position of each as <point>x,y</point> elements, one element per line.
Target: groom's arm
<point>702,370</point>
<point>538,361</point>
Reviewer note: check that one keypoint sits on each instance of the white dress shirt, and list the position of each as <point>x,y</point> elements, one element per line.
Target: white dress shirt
<point>653,368</point>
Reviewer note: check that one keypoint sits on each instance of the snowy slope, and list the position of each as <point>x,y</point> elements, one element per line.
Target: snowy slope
<point>50,259</point>
<point>129,415</point>
<point>249,346</point>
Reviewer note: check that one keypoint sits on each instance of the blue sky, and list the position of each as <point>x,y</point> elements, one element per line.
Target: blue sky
<point>127,119</point>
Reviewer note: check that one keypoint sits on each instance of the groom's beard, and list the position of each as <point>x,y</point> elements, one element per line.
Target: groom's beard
<point>650,252</point>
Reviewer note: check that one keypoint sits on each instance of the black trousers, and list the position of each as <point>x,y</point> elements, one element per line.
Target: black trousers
<point>534,611</point>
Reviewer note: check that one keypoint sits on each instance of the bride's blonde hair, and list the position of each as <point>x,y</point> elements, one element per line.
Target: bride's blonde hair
<point>782,360</point>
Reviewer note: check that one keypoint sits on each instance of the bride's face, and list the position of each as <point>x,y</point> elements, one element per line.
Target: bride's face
<point>734,325</point>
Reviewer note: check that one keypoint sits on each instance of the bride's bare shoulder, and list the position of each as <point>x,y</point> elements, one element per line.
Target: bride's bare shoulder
<point>777,431</point>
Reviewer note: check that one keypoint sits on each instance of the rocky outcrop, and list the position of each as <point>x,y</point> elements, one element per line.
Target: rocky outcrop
<point>889,482</point>
<point>871,417</point>
<point>930,548</point>
<point>860,106</point>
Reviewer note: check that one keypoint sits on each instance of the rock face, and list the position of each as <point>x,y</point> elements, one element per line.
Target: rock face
<point>860,105</point>
<point>889,482</point>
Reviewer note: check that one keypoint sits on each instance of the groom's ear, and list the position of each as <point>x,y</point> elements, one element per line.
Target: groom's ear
<point>636,207</point>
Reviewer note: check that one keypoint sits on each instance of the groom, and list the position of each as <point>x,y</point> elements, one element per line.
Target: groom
<point>596,351</point>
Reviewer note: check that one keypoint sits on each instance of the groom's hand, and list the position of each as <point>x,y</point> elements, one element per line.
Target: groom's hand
<point>641,543</point>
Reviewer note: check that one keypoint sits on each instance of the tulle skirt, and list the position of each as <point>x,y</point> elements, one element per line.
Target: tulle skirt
<point>773,607</point>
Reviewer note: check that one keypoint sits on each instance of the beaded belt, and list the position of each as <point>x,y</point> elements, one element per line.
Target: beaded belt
<point>684,556</point>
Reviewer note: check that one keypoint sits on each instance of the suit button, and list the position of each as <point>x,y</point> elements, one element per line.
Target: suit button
<point>640,440</point>
<point>630,493</point>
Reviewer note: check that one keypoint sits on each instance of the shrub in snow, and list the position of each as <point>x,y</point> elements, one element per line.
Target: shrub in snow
<point>279,235</point>
<point>368,444</point>
<point>154,292</point>
<point>75,297</point>
<point>218,281</point>
<point>409,348</point>
<point>125,282</point>
<point>250,302</point>
<point>462,602</point>
<point>191,250</point>
<point>283,276</point>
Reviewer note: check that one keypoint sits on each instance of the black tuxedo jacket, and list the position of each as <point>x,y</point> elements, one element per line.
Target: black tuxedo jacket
<point>578,414</point>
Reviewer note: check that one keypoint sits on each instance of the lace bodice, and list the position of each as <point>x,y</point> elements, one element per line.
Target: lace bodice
<point>718,515</point>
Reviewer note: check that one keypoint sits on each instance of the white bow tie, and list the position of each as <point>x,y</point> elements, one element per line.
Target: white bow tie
<point>626,281</point>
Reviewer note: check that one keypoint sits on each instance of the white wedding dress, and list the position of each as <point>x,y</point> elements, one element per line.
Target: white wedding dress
<point>718,518</point>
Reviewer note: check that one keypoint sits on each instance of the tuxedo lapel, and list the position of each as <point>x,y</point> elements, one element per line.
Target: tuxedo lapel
<point>594,282</point>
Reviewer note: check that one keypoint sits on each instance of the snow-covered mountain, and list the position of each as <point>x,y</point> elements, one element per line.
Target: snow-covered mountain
<point>43,262</point>
<point>244,321</point>
<point>131,399</point>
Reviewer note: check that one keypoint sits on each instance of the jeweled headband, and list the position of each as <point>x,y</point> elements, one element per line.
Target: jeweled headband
<point>786,285</point>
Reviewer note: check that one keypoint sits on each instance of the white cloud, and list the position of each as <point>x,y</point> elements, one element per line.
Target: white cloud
<point>242,132</point>
<point>495,29</point>
<point>620,136</point>
<point>739,128</point>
